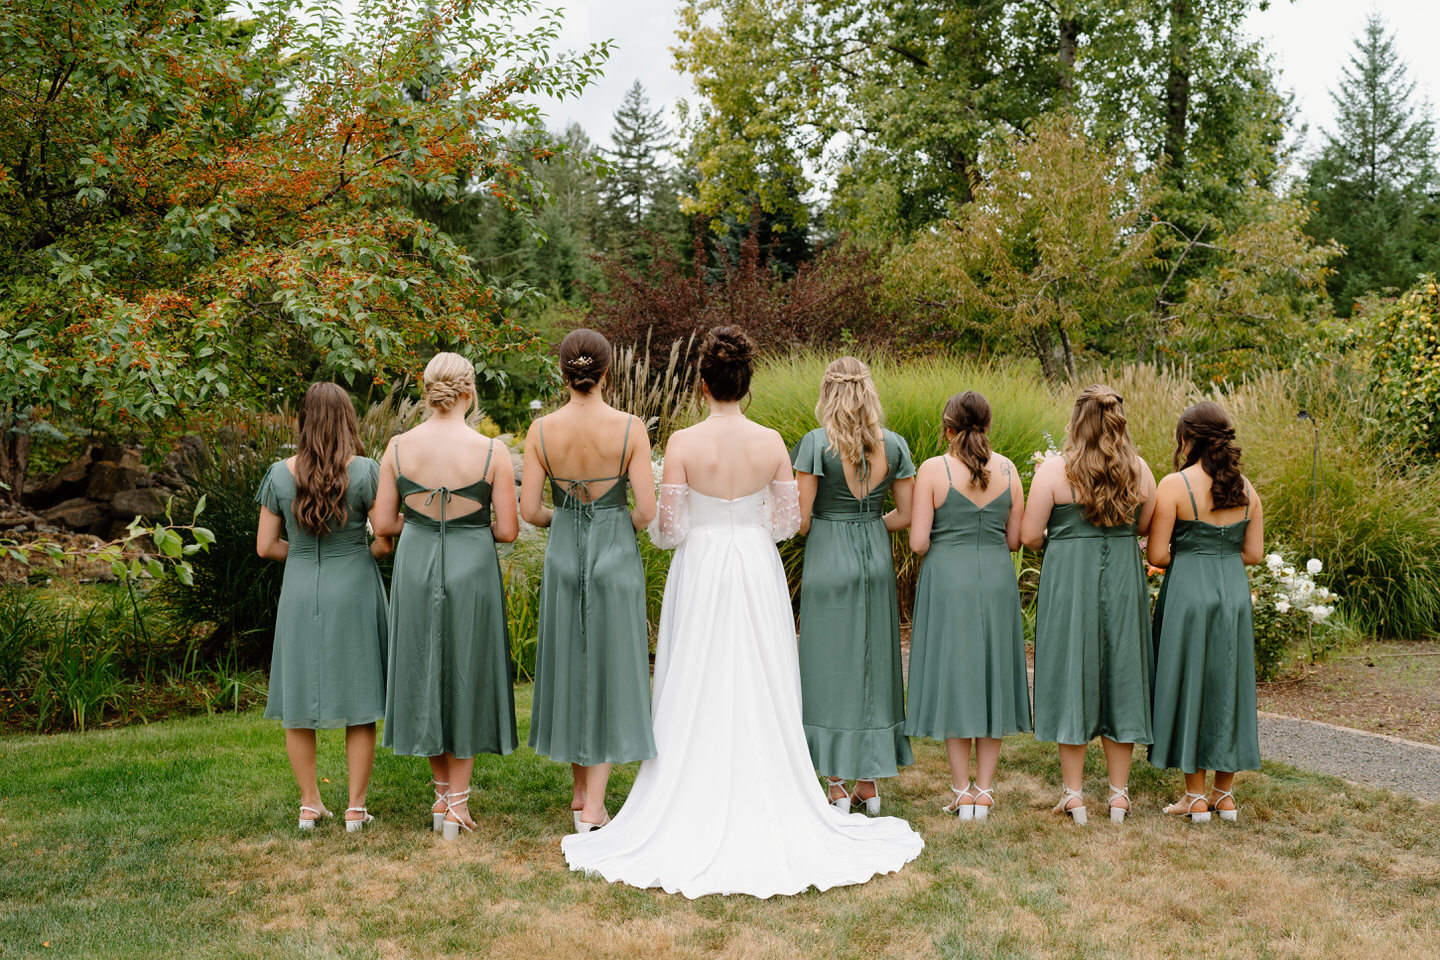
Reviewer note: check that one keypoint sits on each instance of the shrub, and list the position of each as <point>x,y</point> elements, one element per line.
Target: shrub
<point>1405,338</point>
<point>1291,611</point>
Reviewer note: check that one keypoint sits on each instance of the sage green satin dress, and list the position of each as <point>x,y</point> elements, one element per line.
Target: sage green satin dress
<point>1094,663</point>
<point>451,680</point>
<point>327,669</point>
<point>592,658</point>
<point>967,645</point>
<point>1204,632</point>
<point>852,689</point>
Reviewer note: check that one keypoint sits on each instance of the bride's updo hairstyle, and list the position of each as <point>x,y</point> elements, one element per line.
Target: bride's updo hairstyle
<point>1101,461</point>
<point>584,359</point>
<point>1204,435</point>
<point>727,359</point>
<point>849,410</point>
<point>449,378</point>
<point>968,415</point>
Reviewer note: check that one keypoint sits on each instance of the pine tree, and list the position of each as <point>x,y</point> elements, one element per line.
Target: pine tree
<point>1372,180</point>
<point>637,174</point>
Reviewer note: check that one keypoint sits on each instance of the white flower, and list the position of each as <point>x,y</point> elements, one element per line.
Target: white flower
<point>1320,612</point>
<point>1313,566</point>
<point>1282,605</point>
<point>1274,561</point>
<point>1288,572</point>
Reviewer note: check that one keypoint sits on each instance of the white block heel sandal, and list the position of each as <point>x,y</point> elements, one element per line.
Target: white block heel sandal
<point>1077,814</point>
<point>355,826</point>
<point>1189,812</point>
<point>1117,814</point>
<point>964,804</point>
<point>437,817</point>
<point>1229,816</point>
<point>982,810</point>
<point>320,814</point>
<point>871,804</point>
<point>450,829</point>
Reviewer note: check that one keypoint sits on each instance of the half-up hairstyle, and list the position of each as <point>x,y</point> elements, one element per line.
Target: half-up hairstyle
<point>1101,461</point>
<point>448,378</point>
<point>1204,435</point>
<point>968,414</point>
<point>329,438</point>
<point>849,410</point>
<point>584,359</point>
<point>727,359</point>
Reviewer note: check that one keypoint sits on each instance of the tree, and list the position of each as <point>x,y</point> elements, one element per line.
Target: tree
<point>636,172</point>
<point>1373,179</point>
<point>195,210</point>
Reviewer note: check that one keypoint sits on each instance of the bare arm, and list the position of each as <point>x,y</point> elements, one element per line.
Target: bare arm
<point>642,480</point>
<point>532,482</point>
<point>1162,506</point>
<point>1252,551</point>
<point>904,493</point>
<point>269,537</point>
<point>1041,502</point>
<point>1017,510</point>
<point>503,523</point>
<point>809,485</point>
<point>1147,490</point>
<point>922,515</point>
<point>386,520</point>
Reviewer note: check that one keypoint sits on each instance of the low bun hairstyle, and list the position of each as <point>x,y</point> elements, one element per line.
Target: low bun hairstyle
<point>968,414</point>
<point>584,359</point>
<point>328,438</point>
<point>727,360</point>
<point>448,379</point>
<point>1204,435</point>
<point>1101,461</point>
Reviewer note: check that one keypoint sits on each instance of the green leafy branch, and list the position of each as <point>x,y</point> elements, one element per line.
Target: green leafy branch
<point>169,538</point>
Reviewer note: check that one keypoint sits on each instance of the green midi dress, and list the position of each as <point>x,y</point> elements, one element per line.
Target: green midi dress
<point>967,645</point>
<point>592,659</point>
<point>451,686</point>
<point>327,668</point>
<point>1094,663</point>
<point>852,689</point>
<point>1204,632</point>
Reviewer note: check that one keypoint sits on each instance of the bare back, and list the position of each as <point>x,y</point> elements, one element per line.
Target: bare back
<point>447,453</point>
<point>587,449</point>
<point>726,457</point>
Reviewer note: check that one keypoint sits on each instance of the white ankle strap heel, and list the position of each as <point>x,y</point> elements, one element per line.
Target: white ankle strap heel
<point>1117,814</point>
<point>1229,816</point>
<point>1190,813</point>
<point>450,830</point>
<point>843,803</point>
<point>1077,813</point>
<point>871,804</point>
<point>437,817</point>
<point>355,826</point>
<point>320,814</point>
<point>982,810</point>
<point>963,805</point>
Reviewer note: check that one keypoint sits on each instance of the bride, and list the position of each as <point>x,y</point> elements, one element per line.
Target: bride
<point>730,803</point>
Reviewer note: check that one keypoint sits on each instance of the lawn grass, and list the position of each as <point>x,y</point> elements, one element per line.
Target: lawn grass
<point>177,839</point>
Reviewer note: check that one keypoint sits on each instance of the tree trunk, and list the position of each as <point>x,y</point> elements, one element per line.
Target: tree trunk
<point>1045,353</point>
<point>1067,353</point>
<point>14,461</point>
<point>1069,39</point>
<point>1177,86</point>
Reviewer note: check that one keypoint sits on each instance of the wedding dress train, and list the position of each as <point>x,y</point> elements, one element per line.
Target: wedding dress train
<point>730,803</point>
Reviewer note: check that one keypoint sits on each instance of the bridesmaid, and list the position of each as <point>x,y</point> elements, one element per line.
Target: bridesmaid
<point>850,670</point>
<point>592,665</point>
<point>1093,658</point>
<point>1208,526</point>
<point>452,491</point>
<point>967,650</point>
<point>328,666</point>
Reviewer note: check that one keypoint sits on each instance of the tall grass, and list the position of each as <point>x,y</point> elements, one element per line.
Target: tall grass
<point>665,397</point>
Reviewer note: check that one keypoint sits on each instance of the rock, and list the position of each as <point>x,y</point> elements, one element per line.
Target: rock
<point>127,457</point>
<point>108,478</point>
<point>145,480</point>
<point>76,513</point>
<point>193,454</point>
<point>146,502</point>
<point>67,482</point>
<point>169,478</point>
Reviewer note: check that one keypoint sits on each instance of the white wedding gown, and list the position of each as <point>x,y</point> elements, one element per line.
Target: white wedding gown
<point>730,803</point>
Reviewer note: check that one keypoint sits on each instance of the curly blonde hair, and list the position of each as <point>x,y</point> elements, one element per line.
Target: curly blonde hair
<point>448,378</point>
<point>849,410</point>
<point>1101,461</point>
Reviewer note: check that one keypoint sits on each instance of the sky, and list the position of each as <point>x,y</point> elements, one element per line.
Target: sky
<point>1310,41</point>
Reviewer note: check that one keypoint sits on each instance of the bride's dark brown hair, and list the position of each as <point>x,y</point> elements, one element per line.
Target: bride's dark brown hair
<point>1204,435</point>
<point>329,438</point>
<point>1101,461</point>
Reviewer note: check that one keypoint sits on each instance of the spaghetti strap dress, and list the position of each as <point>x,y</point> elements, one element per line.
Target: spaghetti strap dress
<point>451,681</point>
<point>850,669</point>
<point>327,669</point>
<point>967,646</point>
<point>592,659</point>
<point>1094,663</point>
<point>1204,632</point>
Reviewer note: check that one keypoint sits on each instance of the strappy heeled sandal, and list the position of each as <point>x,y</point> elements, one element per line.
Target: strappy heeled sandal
<point>1190,813</point>
<point>437,817</point>
<point>451,828</point>
<point>842,804</point>
<point>871,804</point>
<point>1117,814</point>
<point>1077,814</point>
<point>962,809</point>
<point>355,826</point>
<point>1229,816</point>
<point>320,814</point>
<point>585,826</point>
<point>982,810</point>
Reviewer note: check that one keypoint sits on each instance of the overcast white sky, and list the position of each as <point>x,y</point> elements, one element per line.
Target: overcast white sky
<point>1310,41</point>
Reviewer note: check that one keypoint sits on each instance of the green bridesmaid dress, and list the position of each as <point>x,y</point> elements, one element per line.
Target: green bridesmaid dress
<point>1093,659</point>
<point>451,685</point>
<point>1205,709</point>
<point>592,659</point>
<point>967,647</point>
<point>327,669</point>
<point>852,691</point>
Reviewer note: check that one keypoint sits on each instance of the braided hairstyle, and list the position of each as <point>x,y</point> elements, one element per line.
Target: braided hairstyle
<point>727,359</point>
<point>1204,435</point>
<point>849,410</point>
<point>968,414</point>
<point>584,359</point>
<point>1101,461</point>
<point>448,379</point>
<point>329,437</point>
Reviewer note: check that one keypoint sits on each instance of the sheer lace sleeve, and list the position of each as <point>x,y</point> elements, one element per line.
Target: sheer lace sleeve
<point>782,510</point>
<point>672,519</point>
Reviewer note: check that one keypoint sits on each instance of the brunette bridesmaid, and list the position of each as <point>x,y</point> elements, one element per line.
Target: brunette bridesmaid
<point>328,666</point>
<point>1094,662</point>
<point>850,669</point>
<point>968,678</point>
<point>592,666</point>
<point>1208,525</point>
<point>452,491</point>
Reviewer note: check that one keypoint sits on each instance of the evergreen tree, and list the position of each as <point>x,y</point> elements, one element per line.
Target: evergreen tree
<point>638,178</point>
<point>1373,179</point>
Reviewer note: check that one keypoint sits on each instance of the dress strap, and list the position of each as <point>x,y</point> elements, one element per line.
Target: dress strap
<point>544,457</point>
<point>948,477</point>
<point>1247,500</point>
<point>486,472</point>
<point>398,471</point>
<point>625,445</point>
<point>1192,497</point>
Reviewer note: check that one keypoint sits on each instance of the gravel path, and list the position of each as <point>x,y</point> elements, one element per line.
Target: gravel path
<point>1370,758</point>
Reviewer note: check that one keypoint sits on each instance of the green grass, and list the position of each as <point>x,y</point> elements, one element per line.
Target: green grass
<point>177,839</point>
